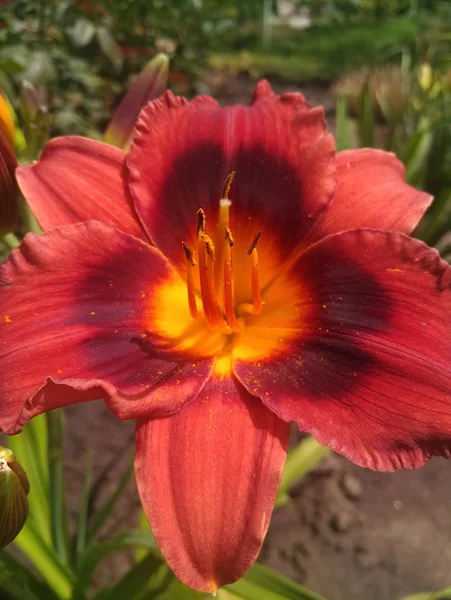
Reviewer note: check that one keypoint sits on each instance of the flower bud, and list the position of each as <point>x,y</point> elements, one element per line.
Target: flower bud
<point>7,126</point>
<point>9,190</point>
<point>14,488</point>
<point>149,85</point>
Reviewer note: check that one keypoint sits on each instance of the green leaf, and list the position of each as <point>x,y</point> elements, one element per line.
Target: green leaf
<point>109,46</point>
<point>442,595</point>
<point>261,582</point>
<point>58,514</point>
<point>343,125</point>
<point>19,583</point>
<point>81,539</point>
<point>107,508</point>
<point>300,461</point>
<point>95,553</point>
<point>416,151</point>
<point>46,561</point>
<point>40,69</point>
<point>366,117</point>
<point>82,32</point>
<point>145,581</point>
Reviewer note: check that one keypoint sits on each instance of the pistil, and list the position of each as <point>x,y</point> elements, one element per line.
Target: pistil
<point>224,223</point>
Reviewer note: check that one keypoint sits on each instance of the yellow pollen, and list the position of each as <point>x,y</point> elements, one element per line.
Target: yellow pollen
<point>223,366</point>
<point>7,319</point>
<point>92,313</point>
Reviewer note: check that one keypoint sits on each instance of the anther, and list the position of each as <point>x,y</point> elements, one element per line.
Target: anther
<point>201,222</point>
<point>229,237</point>
<point>227,186</point>
<point>209,246</point>
<point>189,253</point>
<point>255,275</point>
<point>254,242</point>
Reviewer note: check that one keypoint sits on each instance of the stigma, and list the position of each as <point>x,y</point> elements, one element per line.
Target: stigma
<point>215,271</point>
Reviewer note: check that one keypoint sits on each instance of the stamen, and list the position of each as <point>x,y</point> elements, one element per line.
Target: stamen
<point>189,252</point>
<point>206,252</point>
<point>232,321</point>
<point>255,274</point>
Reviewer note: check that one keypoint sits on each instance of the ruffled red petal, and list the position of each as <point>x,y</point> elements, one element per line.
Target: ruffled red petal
<point>371,192</point>
<point>76,325</point>
<point>370,372</point>
<point>182,153</point>
<point>76,180</point>
<point>208,478</point>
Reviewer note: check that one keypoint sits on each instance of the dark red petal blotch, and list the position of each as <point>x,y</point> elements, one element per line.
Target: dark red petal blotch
<point>370,372</point>
<point>75,326</point>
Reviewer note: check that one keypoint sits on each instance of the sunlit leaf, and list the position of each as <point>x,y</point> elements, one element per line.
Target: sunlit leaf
<point>19,583</point>
<point>95,553</point>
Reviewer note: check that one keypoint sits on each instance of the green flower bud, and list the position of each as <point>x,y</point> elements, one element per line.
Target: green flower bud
<point>14,487</point>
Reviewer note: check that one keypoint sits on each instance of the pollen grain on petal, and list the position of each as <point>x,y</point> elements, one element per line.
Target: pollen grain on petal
<point>7,319</point>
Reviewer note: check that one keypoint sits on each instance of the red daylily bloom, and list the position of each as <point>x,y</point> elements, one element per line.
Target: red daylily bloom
<point>334,318</point>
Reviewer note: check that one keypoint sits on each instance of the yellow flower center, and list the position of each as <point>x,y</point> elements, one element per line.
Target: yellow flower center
<point>200,317</point>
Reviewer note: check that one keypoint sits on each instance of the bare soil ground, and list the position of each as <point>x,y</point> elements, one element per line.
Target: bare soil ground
<point>349,534</point>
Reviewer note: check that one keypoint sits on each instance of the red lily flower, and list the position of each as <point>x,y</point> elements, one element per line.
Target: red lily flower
<point>334,319</point>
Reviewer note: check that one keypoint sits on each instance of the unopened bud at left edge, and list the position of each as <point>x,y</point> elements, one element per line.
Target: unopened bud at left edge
<point>14,488</point>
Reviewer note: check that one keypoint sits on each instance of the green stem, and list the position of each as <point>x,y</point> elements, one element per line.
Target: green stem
<point>11,241</point>
<point>58,517</point>
<point>45,562</point>
<point>300,461</point>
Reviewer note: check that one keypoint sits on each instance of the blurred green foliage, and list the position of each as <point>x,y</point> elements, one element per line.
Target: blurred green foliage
<point>406,108</point>
<point>84,51</point>
<point>319,53</point>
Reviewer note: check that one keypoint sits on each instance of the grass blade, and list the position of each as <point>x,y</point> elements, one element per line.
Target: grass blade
<point>104,511</point>
<point>58,514</point>
<point>95,553</point>
<point>145,581</point>
<point>81,538</point>
<point>19,583</point>
<point>46,561</point>
<point>301,460</point>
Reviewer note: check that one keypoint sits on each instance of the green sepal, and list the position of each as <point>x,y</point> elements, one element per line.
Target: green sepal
<point>14,488</point>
